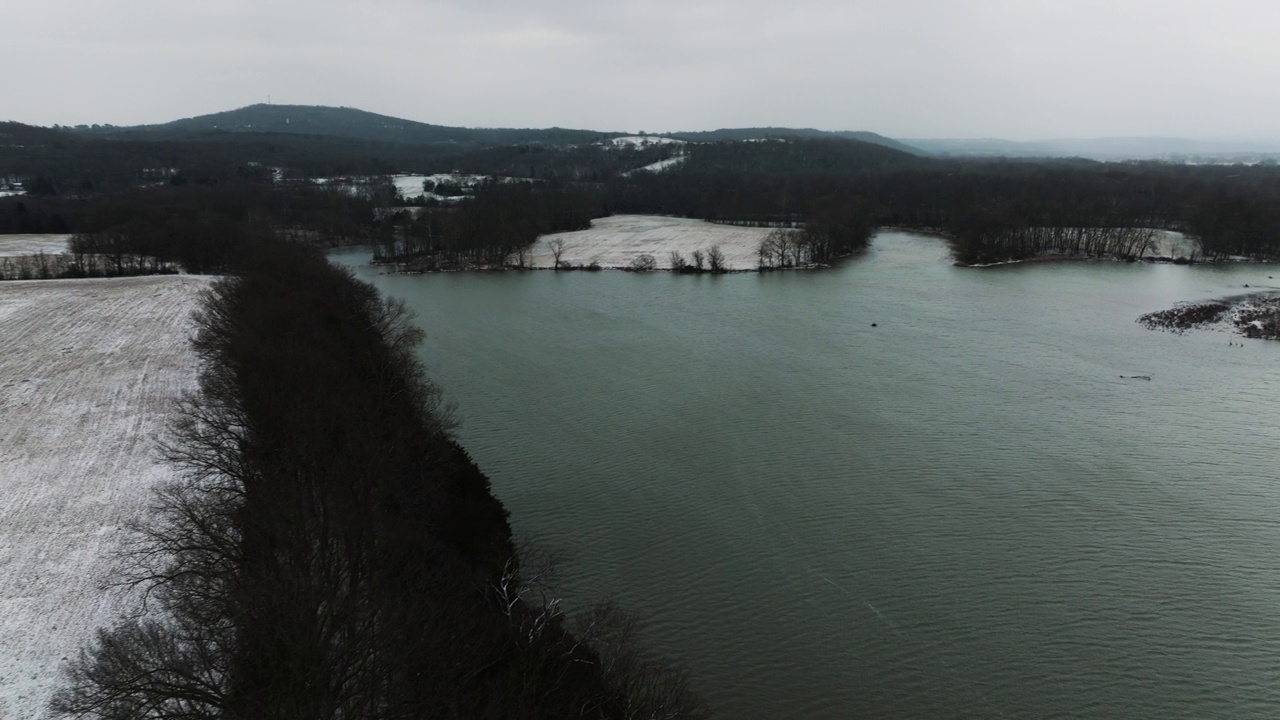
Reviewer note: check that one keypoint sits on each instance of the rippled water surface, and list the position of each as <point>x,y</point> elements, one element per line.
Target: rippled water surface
<point>964,511</point>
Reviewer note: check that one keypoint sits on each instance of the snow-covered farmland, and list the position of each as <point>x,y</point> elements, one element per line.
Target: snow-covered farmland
<point>413,186</point>
<point>614,242</point>
<point>644,140</point>
<point>89,372</point>
<point>14,245</point>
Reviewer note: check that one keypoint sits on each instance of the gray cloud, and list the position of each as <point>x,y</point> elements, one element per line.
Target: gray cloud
<point>1020,69</point>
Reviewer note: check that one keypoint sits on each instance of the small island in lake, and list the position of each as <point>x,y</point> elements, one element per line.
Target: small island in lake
<point>1253,316</point>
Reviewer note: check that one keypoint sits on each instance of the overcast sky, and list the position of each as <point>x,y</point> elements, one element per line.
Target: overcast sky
<point>1016,69</point>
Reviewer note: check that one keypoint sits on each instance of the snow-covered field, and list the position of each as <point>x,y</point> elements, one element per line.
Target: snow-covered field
<point>89,371</point>
<point>13,245</point>
<point>644,140</point>
<point>411,186</point>
<point>614,242</point>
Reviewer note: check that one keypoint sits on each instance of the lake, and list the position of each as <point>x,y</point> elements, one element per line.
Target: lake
<point>963,511</point>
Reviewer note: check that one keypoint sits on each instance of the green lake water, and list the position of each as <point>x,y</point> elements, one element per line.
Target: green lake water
<point>962,512</point>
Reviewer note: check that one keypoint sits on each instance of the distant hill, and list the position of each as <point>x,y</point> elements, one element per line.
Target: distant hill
<point>348,124</point>
<point>17,135</point>
<point>731,134</point>
<point>352,124</point>
<point>1108,148</point>
<point>821,155</point>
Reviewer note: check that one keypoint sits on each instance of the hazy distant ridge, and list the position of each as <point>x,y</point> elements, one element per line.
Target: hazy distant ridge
<point>1107,148</point>
<point>731,134</point>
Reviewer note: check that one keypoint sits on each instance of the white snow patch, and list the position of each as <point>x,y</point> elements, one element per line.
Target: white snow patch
<point>659,166</point>
<point>88,378</point>
<point>14,245</point>
<point>459,179</point>
<point>643,141</point>
<point>412,186</point>
<point>614,242</point>
<point>409,186</point>
<point>1169,243</point>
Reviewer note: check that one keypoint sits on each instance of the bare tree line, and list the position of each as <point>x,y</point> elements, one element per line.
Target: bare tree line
<point>996,241</point>
<point>328,550</point>
<point>55,266</point>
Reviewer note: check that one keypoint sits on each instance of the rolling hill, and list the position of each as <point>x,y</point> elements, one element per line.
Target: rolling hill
<point>348,124</point>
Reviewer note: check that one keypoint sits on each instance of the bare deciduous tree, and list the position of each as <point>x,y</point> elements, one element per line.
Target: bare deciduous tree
<point>715,259</point>
<point>652,687</point>
<point>556,247</point>
<point>643,263</point>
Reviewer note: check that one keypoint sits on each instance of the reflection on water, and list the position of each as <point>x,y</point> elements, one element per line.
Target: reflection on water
<point>961,511</point>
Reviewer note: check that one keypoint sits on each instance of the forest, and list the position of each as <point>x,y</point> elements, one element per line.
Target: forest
<point>991,210</point>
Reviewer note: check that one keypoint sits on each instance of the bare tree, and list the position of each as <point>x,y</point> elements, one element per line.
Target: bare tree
<point>678,263</point>
<point>781,248</point>
<point>715,259</point>
<point>643,263</point>
<point>557,249</point>
<point>699,258</point>
<point>652,688</point>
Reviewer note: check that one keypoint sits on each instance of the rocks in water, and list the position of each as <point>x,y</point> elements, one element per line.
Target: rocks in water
<point>1184,316</point>
<point>1257,316</point>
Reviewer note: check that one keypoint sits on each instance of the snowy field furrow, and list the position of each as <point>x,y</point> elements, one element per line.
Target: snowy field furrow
<point>614,242</point>
<point>89,372</point>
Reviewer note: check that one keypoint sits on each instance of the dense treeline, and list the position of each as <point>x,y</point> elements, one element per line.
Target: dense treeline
<point>200,229</point>
<point>830,231</point>
<point>776,133</point>
<point>993,210</point>
<point>39,215</point>
<point>981,205</point>
<point>794,156</point>
<point>494,229</point>
<point>582,163</point>
<point>328,550</point>
<point>814,184</point>
<point>77,164</point>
